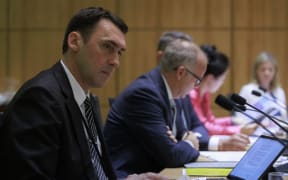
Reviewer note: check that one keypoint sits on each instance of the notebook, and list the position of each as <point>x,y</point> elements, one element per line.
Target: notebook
<point>258,159</point>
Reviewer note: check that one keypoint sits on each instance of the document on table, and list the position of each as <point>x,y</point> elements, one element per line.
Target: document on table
<point>218,159</point>
<point>223,155</point>
<point>229,164</point>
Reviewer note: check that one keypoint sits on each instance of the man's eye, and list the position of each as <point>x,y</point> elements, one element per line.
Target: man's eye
<point>107,46</point>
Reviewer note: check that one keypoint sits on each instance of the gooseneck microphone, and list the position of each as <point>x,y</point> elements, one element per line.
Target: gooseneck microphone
<point>259,94</point>
<point>230,105</point>
<point>242,101</point>
<point>281,105</point>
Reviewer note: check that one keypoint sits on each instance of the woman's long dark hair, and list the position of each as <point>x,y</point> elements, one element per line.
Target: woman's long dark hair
<point>218,62</point>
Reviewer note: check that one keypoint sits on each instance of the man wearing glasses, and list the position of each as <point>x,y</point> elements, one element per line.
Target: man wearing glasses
<point>197,78</point>
<point>142,118</point>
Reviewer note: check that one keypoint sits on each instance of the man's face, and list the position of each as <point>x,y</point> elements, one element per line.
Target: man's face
<point>194,73</point>
<point>100,55</point>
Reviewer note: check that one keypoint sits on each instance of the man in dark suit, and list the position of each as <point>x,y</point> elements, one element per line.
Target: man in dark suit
<point>193,126</point>
<point>47,131</point>
<point>187,121</point>
<point>137,123</point>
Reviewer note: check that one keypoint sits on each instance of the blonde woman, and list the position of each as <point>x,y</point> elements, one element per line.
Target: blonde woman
<point>264,90</point>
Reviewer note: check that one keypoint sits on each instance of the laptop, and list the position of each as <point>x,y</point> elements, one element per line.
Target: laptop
<point>257,160</point>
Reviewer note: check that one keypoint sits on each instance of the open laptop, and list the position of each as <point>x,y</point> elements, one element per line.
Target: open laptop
<point>257,160</point>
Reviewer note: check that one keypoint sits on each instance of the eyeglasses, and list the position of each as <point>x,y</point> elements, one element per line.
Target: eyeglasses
<point>198,79</point>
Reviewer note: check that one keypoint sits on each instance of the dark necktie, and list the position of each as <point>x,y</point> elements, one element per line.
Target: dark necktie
<point>184,121</point>
<point>174,112</point>
<point>92,142</point>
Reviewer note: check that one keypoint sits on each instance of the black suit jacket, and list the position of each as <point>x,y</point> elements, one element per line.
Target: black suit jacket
<point>42,135</point>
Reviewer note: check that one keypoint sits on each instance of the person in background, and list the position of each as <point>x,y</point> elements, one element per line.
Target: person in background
<point>195,125</point>
<point>50,128</point>
<point>190,113</point>
<point>264,90</point>
<point>136,126</point>
<point>213,79</point>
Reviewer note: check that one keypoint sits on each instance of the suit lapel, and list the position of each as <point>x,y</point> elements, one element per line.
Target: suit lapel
<point>75,117</point>
<point>159,82</point>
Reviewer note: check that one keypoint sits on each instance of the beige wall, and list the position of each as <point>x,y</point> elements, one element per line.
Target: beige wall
<point>31,33</point>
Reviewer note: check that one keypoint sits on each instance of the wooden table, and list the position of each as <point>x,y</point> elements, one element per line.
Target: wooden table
<point>175,173</point>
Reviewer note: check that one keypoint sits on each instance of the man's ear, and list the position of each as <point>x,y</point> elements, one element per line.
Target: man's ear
<point>180,72</point>
<point>159,55</point>
<point>74,41</point>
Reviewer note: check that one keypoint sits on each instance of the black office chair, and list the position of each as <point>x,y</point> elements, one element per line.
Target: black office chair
<point>1,117</point>
<point>111,100</point>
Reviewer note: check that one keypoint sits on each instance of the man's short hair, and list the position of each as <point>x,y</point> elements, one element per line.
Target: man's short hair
<point>177,53</point>
<point>169,36</point>
<point>86,19</point>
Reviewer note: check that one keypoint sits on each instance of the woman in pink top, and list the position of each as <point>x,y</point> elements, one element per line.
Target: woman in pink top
<point>200,97</point>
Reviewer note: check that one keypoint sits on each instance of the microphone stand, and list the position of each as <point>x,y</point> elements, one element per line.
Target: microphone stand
<point>242,101</point>
<point>276,101</point>
<point>269,117</point>
<point>230,105</point>
<point>256,93</point>
<point>257,122</point>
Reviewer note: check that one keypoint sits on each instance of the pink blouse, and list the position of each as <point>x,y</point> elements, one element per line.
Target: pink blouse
<point>215,126</point>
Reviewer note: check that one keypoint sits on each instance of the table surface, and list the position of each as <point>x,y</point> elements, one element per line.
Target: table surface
<point>175,173</point>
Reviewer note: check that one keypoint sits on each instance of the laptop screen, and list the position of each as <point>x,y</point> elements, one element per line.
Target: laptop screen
<point>258,159</point>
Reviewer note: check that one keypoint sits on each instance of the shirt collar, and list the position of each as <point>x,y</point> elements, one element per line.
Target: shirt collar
<point>78,92</point>
<point>169,92</point>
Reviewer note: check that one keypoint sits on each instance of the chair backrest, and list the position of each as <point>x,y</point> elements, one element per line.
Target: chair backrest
<point>111,100</point>
<point>1,117</point>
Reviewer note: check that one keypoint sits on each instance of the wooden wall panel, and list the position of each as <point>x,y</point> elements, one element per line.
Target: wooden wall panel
<point>3,43</point>
<point>3,59</point>
<point>16,51</point>
<point>31,52</point>
<point>183,13</point>
<point>249,13</point>
<point>3,14</point>
<point>249,45</point>
<point>260,13</point>
<point>38,14</point>
<point>139,14</point>
<point>75,5</point>
<point>219,13</point>
<point>276,13</point>
<point>195,13</point>
<point>140,56</point>
<point>47,15</point>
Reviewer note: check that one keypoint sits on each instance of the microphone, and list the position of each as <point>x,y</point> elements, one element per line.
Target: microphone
<point>256,93</point>
<point>259,94</point>
<point>230,105</point>
<point>242,101</point>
